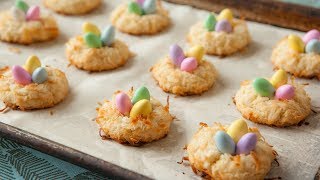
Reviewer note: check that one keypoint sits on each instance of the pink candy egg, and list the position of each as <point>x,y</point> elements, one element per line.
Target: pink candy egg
<point>33,13</point>
<point>285,92</point>
<point>140,2</point>
<point>176,54</point>
<point>312,34</point>
<point>189,64</point>
<point>123,103</point>
<point>223,26</point>
<point>20,75</point>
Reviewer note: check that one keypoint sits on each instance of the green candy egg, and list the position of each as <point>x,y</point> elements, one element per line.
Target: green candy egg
<point>139,94</point>
<point>135,8</point>
<point>92,40</point>
<point>20,4</point>
<point>210,22</point>
<point>263,87</point>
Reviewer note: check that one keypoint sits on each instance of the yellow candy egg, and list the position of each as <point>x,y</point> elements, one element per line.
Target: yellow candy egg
<point>196,52</point>
<point>89,27</point>
<point>296,43</point>
<point>32,63</point>
<point>237,129</point>
<point>279,78</point>
<point>142,107</point>
<point>225,14</point>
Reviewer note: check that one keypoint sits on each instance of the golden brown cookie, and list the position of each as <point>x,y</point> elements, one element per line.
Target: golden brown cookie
<point>300,64</point>
<point>33,96</point>
<point>97,59</point>
<point>27,32</point>
<point>205,157</point>
<point>148,24</point>
<point>135,131</point>
<point>271,111</point>
<point>220,43</point>
<point>72,7</point>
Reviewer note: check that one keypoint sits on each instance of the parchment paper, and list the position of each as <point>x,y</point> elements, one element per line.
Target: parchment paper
<point>71,122</point>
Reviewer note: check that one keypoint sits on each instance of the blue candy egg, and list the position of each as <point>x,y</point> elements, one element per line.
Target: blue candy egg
<point>108,36</point>
<point>313,46</point>
<point>224,142</point>
<point>149,6</point>
<point>39,75</point>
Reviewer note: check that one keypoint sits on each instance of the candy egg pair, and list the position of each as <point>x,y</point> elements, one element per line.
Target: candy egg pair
<point>94,38</point>
<point>31,72</point>
<point>139,105</point>
<point>22,11</point>
<point>223,22</point>
<point>189,63</point>
<point>141,7</point>
<point>237,140</point>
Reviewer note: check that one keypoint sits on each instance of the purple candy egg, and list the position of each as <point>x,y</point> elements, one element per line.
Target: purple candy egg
<point>285,92</point>
<point>223,25</point>
<point>176,54</point>
<point>20,75</point>
<point>312,34</point>
<point>123,103</point>
<point>189,64</point>
<point>246,143</point>
<point>140,2</point>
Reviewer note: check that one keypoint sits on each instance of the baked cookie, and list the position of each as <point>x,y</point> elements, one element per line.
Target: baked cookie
<point>72,7</point>
<point>234,152</point>
<point>26,25</point>
<point>95,51</point>
<point>184,73</point>
<point>134,118</point>
<point>220,35</point>
<point>144,17</point>
<point>32,86</point>
<point>300,58</point>
<point>274,102</point>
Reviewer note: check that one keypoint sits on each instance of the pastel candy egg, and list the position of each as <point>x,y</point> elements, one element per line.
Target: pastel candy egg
<point>189,64</point>
<point>20,4</point>
<point>313,46</point>
<point>39,75</point>
<point>237,129</point>
<point>142,107</point>
<point>210,22</point>
<point>139,94</point>
<point>196,52</point>
<point>176,54</point>
<point>312,34</point>
<point>32,63</point>
<point>246,144</point>
<point>135,8</point>
<point>20,75</point>
<point>18,14</point>
<point>224,142</point>
<point>263,87</point>
<point>33,13</point>
<point>285,92</point>
<point>225,14</point>
<point>108,36</point>
<point>295,43</point>
<point>92,40</point>
<point>223,26</point>
<point>89,27</point>
<point>140,2</point>
<point>279,78</point>
<point>149,6</point>
<point>123,103</point>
